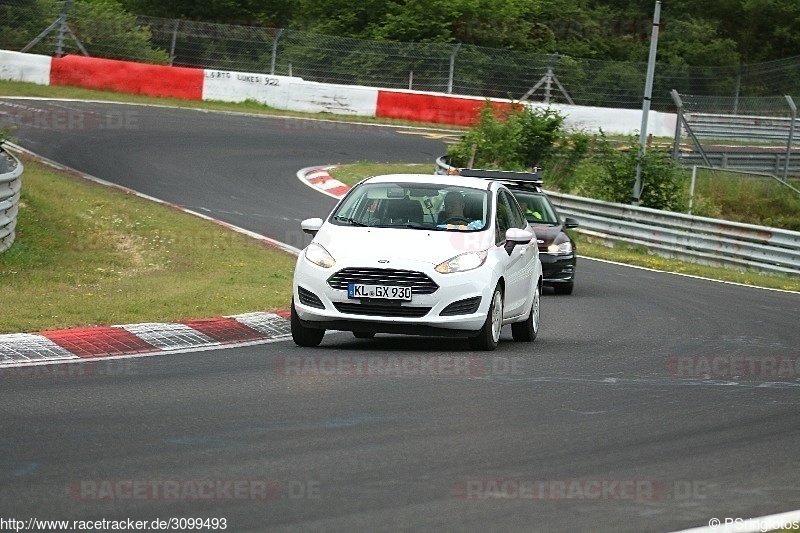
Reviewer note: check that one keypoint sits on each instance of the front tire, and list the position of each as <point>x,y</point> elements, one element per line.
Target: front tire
<point>303,336</point>
<point>527,331</point>
<point>489,336</point>
<point>363,334</point>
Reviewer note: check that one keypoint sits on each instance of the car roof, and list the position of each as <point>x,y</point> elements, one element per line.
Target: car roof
<point>434,179</point>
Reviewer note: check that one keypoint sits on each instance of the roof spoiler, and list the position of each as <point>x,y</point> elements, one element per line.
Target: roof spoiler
<point>523,178</point>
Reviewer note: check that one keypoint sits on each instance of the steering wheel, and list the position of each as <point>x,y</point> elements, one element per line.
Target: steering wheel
<point>457,219</point>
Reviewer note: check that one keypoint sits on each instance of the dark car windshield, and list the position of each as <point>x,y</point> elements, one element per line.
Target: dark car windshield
<point>414,205</point>
<point>537,207</point>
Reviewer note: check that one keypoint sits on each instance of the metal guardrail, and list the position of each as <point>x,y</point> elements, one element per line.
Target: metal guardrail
<point>761,161</point>
<point>739,127</point>
<point>10,185</point>
<point>692,238</point>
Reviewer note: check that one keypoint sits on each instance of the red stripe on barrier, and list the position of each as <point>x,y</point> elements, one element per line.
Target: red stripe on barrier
<point>127,77</point>
<point>99,341</point>
<point>225,330</point>
<point>431,108</point>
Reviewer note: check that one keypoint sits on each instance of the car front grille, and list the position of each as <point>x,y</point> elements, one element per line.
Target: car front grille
<point>381,310</point>
<point>419,282</point>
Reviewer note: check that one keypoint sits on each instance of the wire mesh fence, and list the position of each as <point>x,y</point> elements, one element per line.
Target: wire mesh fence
<point>443,67</point>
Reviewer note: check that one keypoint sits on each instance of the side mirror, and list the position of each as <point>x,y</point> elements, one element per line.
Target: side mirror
<point>311,225</point>
<point>515,237</point>
<point>570,223</point>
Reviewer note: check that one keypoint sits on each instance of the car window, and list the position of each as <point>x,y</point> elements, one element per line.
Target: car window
<point>503,219</point>
<point>414,205</point>
<point>537,207</point>
<point>516,217</point>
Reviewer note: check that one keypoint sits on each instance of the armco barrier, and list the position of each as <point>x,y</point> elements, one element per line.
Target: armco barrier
<point>697,239</point>
<point>10,185</point>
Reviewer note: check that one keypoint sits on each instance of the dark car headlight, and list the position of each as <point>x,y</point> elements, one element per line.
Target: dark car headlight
<point>560,248</point>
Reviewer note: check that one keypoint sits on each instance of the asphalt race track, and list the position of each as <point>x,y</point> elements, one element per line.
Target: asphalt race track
<point>649,402</point>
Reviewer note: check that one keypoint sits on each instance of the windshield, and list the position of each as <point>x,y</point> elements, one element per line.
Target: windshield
<point>414,205</point>
<point>536,207</point>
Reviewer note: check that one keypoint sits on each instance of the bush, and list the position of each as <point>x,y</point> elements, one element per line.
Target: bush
<point>514,138</point>
<point>661,179</point>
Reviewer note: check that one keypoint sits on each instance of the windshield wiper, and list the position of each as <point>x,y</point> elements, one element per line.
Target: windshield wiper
<point>351,221</point>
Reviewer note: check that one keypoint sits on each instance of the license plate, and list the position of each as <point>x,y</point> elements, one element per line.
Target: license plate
<point>388,292</point>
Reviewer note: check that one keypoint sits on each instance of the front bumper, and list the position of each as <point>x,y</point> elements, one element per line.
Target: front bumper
<point>458,307</point>
<point>557,269</point>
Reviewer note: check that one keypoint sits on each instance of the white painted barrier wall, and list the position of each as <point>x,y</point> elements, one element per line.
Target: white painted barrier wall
<point>314,97</point>
<point>225,86</point>
<point>296,94</point>
<point>32,68</point>
<point>289,93</point>
<point>616,121</point>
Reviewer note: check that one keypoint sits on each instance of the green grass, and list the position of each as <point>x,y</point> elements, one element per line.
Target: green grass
<point>89,255</point>
<point>747,198</point>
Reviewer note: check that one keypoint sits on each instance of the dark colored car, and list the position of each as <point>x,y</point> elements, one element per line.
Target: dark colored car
<point>556,248</point>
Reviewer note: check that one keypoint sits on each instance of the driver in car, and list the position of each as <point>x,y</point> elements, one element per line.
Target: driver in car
<point>453,206</point>
<point>453,217</point>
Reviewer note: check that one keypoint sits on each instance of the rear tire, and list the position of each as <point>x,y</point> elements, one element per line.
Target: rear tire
<point>527,331</point>
<point>489,335</point>
<point>303,336</point>
<point>363,334</point>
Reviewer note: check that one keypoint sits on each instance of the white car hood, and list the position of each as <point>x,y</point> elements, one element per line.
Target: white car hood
<point>350,243</point>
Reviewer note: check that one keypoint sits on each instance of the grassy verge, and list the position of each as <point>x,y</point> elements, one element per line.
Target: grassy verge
<point>88,255</point>
<point>351,174</point>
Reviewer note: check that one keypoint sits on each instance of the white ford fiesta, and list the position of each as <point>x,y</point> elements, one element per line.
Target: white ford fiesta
<point>420,255</point>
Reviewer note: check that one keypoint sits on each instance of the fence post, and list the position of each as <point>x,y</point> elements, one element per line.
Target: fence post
<point>174,39</point>
<point>452,69</point>
<point>275,51</point>
<point>676,147</point>
<point>62,28</point>
<point>791,136</point>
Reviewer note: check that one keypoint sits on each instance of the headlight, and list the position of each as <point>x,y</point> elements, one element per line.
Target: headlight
<point>462,263</point>
<point>560,249</point>
<point>319,256</point>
